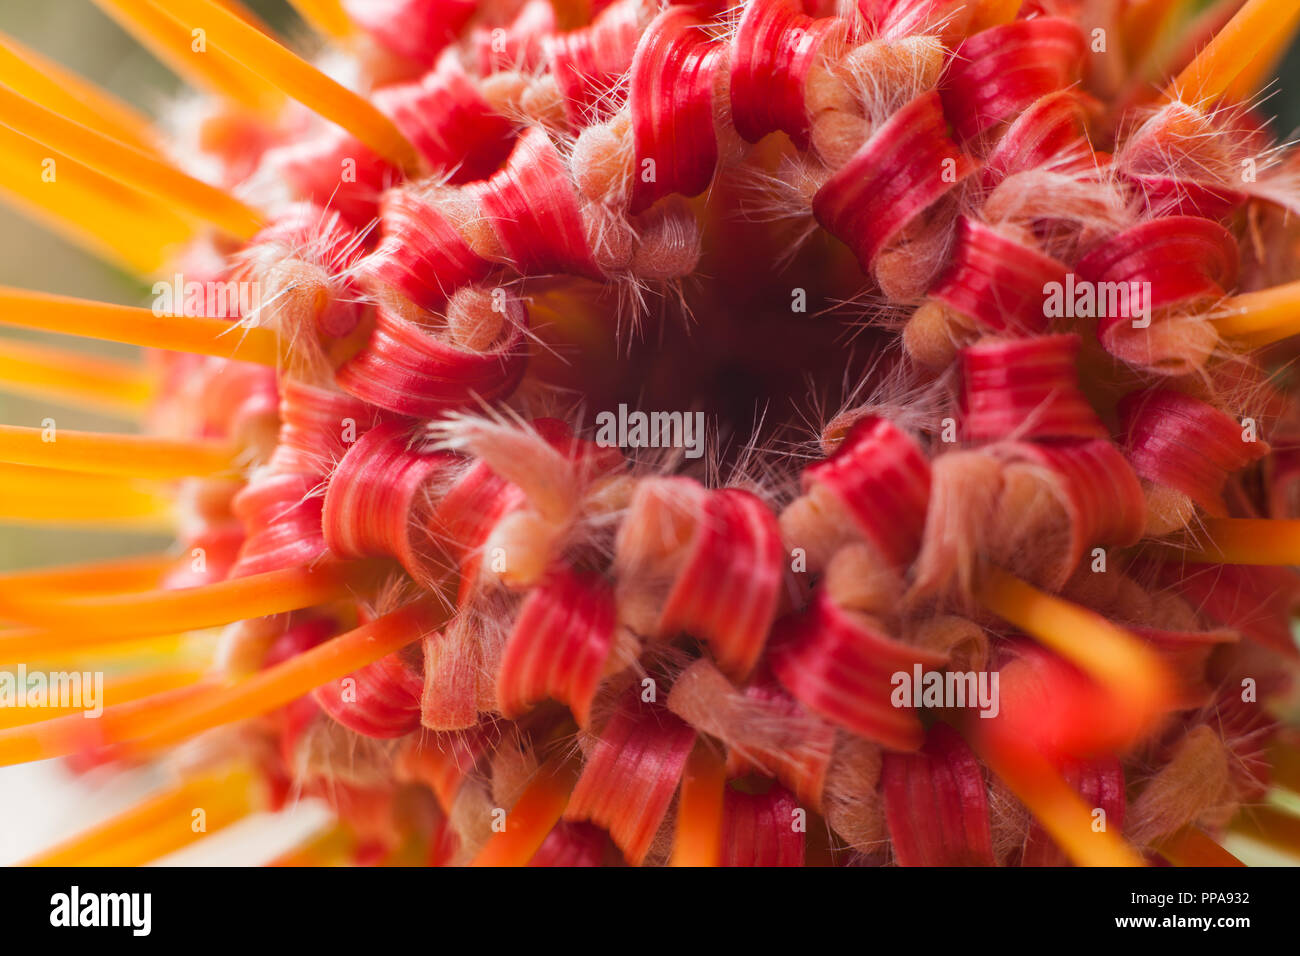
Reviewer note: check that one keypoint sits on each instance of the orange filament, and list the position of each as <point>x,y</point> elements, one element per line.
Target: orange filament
<point>130,166</point>
<point>136,326</point>
<point>90,210</point>
<point>1242,40</point>
<point>127,456</point>
<point>533,816</point>
<point>1058,808</point>
<point>329,848</point>
<point>1272,826</point>
<point>159,825</point>
<point>1190,846</point>
<point>40,79</point>
<point>992,13</point>
<point>287,681</point>
<point>1254,541</point>
<point>213,70</point>
<point>87,620</point>
<point>41,496</point>
<point>117,690</point>
<point>326,16</point>
<point>296,77</point>
<point>1109,654</point>
<point>1263,67</point>
<point>136,573</point>
<point>73,378</point>
<point>1260,318</point>
<point>699,810</point>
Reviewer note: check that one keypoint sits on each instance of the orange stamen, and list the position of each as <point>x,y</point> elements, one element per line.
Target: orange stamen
<point>159,825</point>
<point>41,496</point>
<point>136,326</point>
<point>1263,67</point>
<point>296,77</point>
<point>117,690</point>
<point>1285,759</point>
<point>1109,654</point>
<point>1253,541</point>
<point>41,79</point>
<point>1190,846</point>
<point>1058,808</point>
<point>136,573</point>
<point>132,167</point>
<point>326,16</point>
<point>103,385</point>
<point>1244,38</point>
<point>1272,826</point>
<point>88,620</point>
<point>88,209</point>
<point>992,13</point>
<point>212,70</point>
<point>127,456</point>
<point>699,810</point>
<point>1260,318</point>
<point>532,817</point>
<point>324,849</point>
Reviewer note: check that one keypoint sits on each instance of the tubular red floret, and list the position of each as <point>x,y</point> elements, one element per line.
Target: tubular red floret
<point>407,370</point>
<point>631,775</point>
<point>380,700</point>
<point>1100,784</point>
<point>671,96</point>
<point>1049,131</point>
<point>334,170</point>
<point>727,590</point>
<point>589,63</point>
<point>936,803</point>
<point>532,206</point>
<point>422,254</point>
<point>417,30</point>
<point>378,500</point>
<point>519,46</point>
<point>1026,388</point>
<point>903,169</point>
<point>1185,259</point>
<point>317,426</point>
<point>841,667</point>
<point>281,515</point>
<point>572,844</point>
<point>1000,71</point>
<point>560,642</point>
<point>1180,442</point>
<point>761,829</point>
<point>1097,488</point>
<point>882,477</point>
<point>775,47</point>
<point>996,280</point>
<point>447,119</point>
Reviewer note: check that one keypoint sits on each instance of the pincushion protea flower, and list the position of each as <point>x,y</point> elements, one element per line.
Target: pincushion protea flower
<point>986,305</point>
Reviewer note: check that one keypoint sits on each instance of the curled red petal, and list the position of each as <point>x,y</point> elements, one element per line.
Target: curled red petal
<point>417,30</point>
<point>589,63</point>
<point>761,829</point>
<point>382,699</point>
<point>281,515</point>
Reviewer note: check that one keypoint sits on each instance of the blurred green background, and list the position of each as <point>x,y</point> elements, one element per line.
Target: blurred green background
<point>76,34</point>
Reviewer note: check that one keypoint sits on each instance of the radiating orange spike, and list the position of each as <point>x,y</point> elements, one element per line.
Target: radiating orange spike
<point>158,825</point>
<point>124,456</point>
<point>1263,67</point>
<point>276,686</point>
<point>330,848</point>
<point>132,167</point>
<point>1272,826</point>
<point>103,385</point>
<point>1146,24</point>
<point>533,817</point>
<point>699,810</point>
<point>136,573</point>
<point>326,16</point>
<point>1260,318</point>
<point>1109,654</point>
<point>136,326</point>
<point>1190,846</point>
<point>41,496</point>
<point>1244,38</point>
<point>992,13</point>
<point>40,79</point>
<point>296,77</point>
<point>1058,808</point>
<point>117,690</point>
<point>90,619</point>
<point>99,214</point>
<point>1254,541</point>
<point>212,70</point>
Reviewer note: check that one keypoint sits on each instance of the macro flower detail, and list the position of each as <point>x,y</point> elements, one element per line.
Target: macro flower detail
<point>988,309</point>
